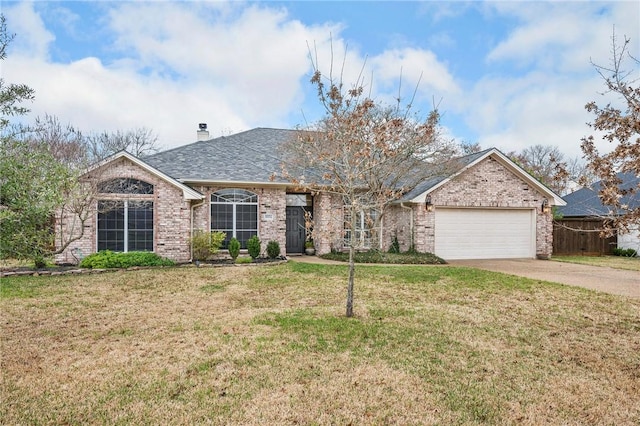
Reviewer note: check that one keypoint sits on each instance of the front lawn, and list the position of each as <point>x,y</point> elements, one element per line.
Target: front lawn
<point>270,345</point>
<point>616,262</point>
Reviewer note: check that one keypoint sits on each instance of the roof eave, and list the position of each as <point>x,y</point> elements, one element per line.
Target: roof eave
<point>187,192</point>
<point>219,182</point>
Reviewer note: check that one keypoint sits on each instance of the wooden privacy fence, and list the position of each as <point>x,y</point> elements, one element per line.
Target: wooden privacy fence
<point>581,237</point>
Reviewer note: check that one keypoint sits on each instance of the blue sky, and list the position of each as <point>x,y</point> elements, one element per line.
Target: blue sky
<point>504,74</point>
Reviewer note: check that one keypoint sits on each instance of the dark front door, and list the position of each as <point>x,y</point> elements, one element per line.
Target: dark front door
<point>295,229</point>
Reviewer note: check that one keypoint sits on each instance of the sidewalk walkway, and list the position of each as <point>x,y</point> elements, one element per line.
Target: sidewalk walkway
<point>303,258</point>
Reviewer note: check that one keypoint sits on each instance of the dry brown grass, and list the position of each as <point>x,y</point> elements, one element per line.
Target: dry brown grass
<point>269,345</point>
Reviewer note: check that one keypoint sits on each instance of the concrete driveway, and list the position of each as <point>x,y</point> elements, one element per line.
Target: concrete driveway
<point>614,281</point>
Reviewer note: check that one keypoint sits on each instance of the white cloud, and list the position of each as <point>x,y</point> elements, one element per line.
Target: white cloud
<point>564,35</point>
<point>171,65</point>
<point>419,68</point>
<point>442,10</point>
<point>544,103</point>
<point>31,33</point>
<point>177,65</point>
<point>255,60</point>
<point>515,114</point>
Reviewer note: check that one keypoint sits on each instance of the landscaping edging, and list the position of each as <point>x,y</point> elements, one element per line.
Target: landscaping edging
<point>87,271</point>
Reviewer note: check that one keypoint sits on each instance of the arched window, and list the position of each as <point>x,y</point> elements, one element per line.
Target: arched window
<point>235,212</point>
<point>125,186</point>
<point>125,224</point>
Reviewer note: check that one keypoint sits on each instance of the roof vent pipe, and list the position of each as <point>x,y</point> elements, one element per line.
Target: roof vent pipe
<point>203,133</point>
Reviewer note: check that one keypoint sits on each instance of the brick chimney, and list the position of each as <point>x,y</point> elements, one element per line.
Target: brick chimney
<point>203,133</point>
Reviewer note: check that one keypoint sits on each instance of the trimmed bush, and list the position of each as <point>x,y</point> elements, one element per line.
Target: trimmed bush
<point>108,259</point>
<point>253,246</point>
<point>273,249</point>
<point>206,244</point>
<point>624,252</point>
<point>234,248</point>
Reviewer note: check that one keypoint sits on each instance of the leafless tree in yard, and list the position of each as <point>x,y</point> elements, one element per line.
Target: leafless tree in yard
<point>366,153</point>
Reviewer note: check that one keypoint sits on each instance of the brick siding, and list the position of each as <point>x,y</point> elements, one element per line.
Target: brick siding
<point>272,220</point>
<point>328,222</point>
<point>487,184</point>
<point>171,214</point>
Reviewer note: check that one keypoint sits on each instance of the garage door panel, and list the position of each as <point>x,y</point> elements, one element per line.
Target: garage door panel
<point>484,233</point>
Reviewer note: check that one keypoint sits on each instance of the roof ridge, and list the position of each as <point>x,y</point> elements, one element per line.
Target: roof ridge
<point>221,137</point>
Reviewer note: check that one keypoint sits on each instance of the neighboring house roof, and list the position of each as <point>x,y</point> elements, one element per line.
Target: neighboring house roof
<point>247,157</point>
<point>187,192</point>
<point>585,202</point>
<point>459,165</point>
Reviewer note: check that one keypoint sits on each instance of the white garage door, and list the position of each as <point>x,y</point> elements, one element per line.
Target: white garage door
<point>484,233</point>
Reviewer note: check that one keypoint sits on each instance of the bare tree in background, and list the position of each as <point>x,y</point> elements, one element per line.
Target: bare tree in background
<point>618,122</point>
<point>27,176</point>
<point>366,153</point>
<point>45,200</point>
<point>468,148</point>
<point>549,165</point>
<point>44,205</point>
<point>64,142</point>
<point>579,173</point>
<point>139,142</point>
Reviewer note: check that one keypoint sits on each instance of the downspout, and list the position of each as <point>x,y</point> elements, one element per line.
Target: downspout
<point>193,207</point>
<point>381,232</point>
<point>410,223</point>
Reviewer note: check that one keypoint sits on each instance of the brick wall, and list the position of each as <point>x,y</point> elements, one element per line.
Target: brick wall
<point>397,223</point>
<point>272,208</point>
<point>328,224</point>
<point>171,214</point>
<point>488,184</point>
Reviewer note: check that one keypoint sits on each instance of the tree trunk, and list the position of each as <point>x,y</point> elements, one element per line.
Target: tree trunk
<point>352,270</point>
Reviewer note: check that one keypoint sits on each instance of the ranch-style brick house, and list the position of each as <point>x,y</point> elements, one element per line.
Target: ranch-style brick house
<point>488,207</point>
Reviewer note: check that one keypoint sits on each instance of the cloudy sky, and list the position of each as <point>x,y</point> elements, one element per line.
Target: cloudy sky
<point>503,74</point>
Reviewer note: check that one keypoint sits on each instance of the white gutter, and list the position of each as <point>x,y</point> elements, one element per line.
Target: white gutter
<point>410,222</point>
<point>232,183</point>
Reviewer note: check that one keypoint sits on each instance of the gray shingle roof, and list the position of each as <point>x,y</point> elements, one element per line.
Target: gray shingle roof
<point>586,202</point>
<point>250,156</point>
<point>253,156</point>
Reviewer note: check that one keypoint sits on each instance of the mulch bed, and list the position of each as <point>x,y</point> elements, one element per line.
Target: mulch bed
<point>75,270</point>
